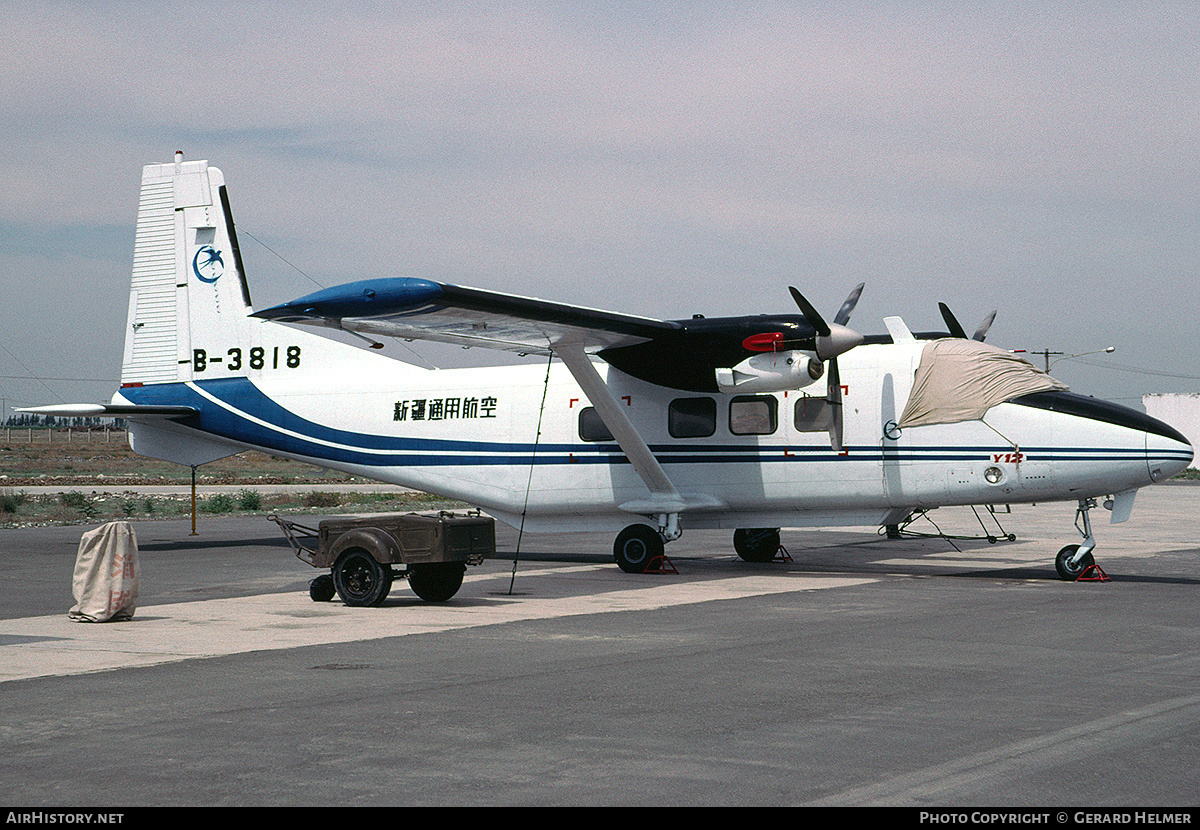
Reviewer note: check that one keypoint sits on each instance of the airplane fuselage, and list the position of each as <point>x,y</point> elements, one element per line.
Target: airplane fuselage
<point>521,440</point>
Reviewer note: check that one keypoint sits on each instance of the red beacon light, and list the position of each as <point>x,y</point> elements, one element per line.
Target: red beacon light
<point>767,341</point>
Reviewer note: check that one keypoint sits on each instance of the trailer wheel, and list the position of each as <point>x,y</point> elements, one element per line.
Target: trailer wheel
<point>436,581</point>
<point>321,589</point>
<point>360,580</point>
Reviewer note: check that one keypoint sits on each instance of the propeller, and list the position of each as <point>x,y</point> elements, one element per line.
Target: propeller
<point>836,339</point>
<point>982,331</point>
<point>831,341</point>
<point>956,329</point>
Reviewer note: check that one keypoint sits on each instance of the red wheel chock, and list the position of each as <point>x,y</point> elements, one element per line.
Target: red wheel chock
<point>660,565</point>
<point>782,555</point>
<point>1093,573</point>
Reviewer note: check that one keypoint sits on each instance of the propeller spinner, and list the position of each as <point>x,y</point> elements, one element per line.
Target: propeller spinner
<point>832,340</point>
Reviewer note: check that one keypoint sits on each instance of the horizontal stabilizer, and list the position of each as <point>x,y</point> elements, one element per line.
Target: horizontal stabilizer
<point>100,410</point>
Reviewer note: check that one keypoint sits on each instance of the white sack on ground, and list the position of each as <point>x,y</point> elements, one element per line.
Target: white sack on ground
<point>960,380</point>
<point>106,574</point>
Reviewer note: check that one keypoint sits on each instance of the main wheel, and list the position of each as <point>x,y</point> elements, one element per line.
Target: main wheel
<point>1063,565</point>
<point>436,581</point>
<point>636,547</point>
<point>360,580</point>
<point>756,544</point>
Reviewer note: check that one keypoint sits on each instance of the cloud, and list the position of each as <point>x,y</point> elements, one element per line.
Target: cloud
<point>664,159</point>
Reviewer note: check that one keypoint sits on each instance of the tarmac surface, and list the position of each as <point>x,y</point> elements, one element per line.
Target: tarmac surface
<point>918,672</point>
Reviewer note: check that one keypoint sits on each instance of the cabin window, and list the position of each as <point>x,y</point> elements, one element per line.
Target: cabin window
<point>813,414</point>
<point>591,426</point>
<point>692,417</point>
<point>753,415</point>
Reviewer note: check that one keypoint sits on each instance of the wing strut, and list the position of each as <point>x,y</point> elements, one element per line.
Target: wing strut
<point>665,501</point>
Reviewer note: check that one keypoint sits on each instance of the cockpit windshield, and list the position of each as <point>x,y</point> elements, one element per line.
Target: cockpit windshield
<point>960,380</point>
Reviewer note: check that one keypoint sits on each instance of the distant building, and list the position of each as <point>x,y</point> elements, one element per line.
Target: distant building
<point>1181,411</point>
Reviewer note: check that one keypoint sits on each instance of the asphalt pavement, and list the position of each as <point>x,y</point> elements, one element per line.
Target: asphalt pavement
<point>921,672</point>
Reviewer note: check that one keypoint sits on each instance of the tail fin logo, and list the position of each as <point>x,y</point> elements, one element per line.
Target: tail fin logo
<point>207,264</point>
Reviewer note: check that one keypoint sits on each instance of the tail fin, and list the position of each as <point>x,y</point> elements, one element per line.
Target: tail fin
<point>189,303</point>
<point>187,273</point>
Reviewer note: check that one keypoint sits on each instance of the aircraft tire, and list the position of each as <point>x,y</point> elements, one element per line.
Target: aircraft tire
<point>322,589</point>
<point>360,580</point>
<point>636,547</point>
<point>1065,569</point>
<point>436,581</point>
<point>756,544</point>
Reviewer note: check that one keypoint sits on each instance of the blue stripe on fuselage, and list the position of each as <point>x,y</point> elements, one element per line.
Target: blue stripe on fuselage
<point>251,417</point>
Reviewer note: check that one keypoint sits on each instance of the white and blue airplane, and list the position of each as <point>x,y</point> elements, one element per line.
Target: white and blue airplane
<point>635,426</point>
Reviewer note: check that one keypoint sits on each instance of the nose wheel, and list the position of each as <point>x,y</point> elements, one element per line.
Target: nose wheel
<point>1070,565</point>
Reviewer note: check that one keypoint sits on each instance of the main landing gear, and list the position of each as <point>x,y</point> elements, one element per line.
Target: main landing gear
<point>639,548</point>
<point>1075,562</point>
<point>759,544</point>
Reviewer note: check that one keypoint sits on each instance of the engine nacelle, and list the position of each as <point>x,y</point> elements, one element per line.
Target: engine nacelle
<point>771,372</point>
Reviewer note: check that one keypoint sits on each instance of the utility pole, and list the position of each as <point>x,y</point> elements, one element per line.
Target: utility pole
<point>1045,353</point>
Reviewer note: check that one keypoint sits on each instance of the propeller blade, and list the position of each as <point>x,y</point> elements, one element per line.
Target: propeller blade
<point>956,329</point>
<point>843,315</point>
<point>835,401</point>
<point>982,331</point>
<point>806,308</point>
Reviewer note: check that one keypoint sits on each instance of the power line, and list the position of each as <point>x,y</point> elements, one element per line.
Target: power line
<point>1136,370</point>
<point>30,371</point>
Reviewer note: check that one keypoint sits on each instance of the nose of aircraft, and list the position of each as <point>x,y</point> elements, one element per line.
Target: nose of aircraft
<point>1118,438</point>
<point>1167,451</point>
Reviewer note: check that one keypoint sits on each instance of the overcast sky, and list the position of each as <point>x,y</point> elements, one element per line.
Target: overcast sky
<point>658,159</point>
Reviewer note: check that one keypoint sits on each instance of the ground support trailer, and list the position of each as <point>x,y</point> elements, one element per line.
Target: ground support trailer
<point>365,553</point>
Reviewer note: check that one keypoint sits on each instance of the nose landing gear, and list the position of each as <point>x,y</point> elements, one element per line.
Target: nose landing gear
<point>1075,563</point>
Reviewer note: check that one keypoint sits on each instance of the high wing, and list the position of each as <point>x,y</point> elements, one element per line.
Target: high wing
<point>759,353</point>
<point>421,309</point>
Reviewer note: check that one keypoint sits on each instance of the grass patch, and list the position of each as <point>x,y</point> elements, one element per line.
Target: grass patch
<point>10,502</point>
<point>94,473</point>
<point>315,499</point>
<point>105,461</point>
<point>249,500</point>
<point>74,507</point>
<point>220,503</point>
